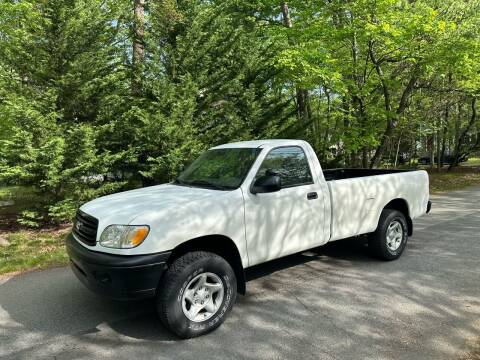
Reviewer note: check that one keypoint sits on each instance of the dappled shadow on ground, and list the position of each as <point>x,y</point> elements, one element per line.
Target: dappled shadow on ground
<point>333,302</point>
<point>351,249</point>
<point>54,302</point>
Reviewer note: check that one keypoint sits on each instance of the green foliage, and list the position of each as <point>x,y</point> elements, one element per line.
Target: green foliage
<point>394,75</point>
<point>54,67</point>
<point>30,218</point>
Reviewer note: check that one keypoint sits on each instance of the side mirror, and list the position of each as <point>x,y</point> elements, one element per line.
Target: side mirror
<point>266,184</point>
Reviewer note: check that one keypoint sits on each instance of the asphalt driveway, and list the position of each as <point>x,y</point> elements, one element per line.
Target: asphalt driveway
<point>331,303</point>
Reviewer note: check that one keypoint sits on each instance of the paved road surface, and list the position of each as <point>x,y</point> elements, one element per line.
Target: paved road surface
<point>332,303</point>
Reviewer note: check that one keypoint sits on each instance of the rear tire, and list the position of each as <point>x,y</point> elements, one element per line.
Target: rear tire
<point>390,238</point>
<point>196,294</point>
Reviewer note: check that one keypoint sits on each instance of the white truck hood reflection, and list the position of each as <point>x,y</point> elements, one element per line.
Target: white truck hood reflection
<point>125,207</point>
<point>174,213</point>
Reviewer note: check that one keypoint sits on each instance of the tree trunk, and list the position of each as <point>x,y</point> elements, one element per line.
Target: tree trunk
<point>398,150</point>
<point>346,125</point>
<point>138,50</point>
<point>391,116</point>
<point>431,143</point>
<point>461,140</point>
<point>364,157</point>
<point>303,98</point>
<point>362,117</point>
<point>412,150</point>
<point>303,107</point>
<point>327,132</point>
<point>444,135</point>
<point>439,143</point>
<point>445,125</point>
<point>388,108</point>
<point>287,21</point>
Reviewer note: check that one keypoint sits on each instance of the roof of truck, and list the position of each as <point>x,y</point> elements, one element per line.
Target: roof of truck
<point>261,143</point>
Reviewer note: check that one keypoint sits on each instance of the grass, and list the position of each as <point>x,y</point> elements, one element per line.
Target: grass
<point>24,249</point>
<point>27,249</point>
<point>449,181</point>
<point>473,161</point>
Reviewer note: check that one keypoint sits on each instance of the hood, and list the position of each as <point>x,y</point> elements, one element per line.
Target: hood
<point>124,207</point>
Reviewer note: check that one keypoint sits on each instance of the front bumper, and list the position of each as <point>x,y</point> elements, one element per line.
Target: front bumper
<point>121,277</point>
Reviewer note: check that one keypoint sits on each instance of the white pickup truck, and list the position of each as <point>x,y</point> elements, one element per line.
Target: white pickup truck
<point>188,242</point>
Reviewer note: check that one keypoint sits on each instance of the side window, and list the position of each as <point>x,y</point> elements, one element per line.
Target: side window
<point>290,163</point>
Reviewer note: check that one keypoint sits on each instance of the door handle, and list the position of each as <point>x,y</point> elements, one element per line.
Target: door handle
<point>312,195</point>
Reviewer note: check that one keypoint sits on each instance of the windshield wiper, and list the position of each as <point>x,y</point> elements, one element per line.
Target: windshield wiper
<point>206,183</point>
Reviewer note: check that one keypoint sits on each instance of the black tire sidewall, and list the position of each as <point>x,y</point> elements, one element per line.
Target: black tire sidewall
<point>177,320</point>
<point>394,216</point>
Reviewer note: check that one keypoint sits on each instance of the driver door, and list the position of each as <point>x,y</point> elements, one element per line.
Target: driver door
<point>289,220</point>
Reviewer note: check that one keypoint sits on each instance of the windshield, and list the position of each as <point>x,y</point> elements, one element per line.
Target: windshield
<point>222,169</point>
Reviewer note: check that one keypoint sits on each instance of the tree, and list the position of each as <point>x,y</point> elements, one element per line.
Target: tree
<point>98,96</point>
<point>138,50</point>
<point>50,97</point>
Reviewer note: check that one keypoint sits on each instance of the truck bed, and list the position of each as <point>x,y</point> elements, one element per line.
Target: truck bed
<point>357,197</point>
<point>339,174</point>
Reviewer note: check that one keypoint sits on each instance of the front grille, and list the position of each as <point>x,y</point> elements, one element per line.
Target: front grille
<point>85,228</point>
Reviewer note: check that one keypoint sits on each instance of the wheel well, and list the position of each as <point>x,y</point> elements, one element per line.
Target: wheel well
<point>217,244</point>
<point>402,206</point>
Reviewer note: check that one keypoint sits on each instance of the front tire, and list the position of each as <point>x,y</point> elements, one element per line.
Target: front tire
<point>390,238</point>
<point>196,294</point>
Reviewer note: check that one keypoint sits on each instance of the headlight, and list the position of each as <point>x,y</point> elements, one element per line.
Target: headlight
<point>123,236</point>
